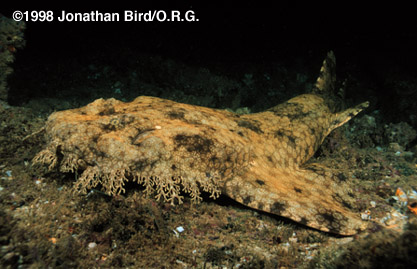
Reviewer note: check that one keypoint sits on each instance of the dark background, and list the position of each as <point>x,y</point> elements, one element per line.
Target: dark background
<point>376,45</point>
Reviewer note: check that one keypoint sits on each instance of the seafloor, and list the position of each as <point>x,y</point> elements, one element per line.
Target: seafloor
<point>44,224</point>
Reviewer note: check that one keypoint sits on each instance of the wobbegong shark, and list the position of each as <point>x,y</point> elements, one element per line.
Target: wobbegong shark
<point>259,159</point>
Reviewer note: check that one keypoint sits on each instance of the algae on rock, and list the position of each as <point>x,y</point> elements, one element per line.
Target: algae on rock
<point>11,38</point>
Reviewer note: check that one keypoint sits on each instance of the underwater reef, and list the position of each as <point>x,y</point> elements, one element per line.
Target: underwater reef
<point>234,155</point>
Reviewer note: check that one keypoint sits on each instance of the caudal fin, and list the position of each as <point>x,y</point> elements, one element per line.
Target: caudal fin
<point>344,116</point>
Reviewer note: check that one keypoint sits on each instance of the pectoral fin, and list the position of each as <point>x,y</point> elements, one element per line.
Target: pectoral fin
<point>311,196</point>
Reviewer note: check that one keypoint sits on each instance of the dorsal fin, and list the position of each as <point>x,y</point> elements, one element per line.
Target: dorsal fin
<point>325,84</point>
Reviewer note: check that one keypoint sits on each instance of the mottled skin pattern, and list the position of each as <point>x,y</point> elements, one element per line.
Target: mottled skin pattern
<point>257,159</point>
